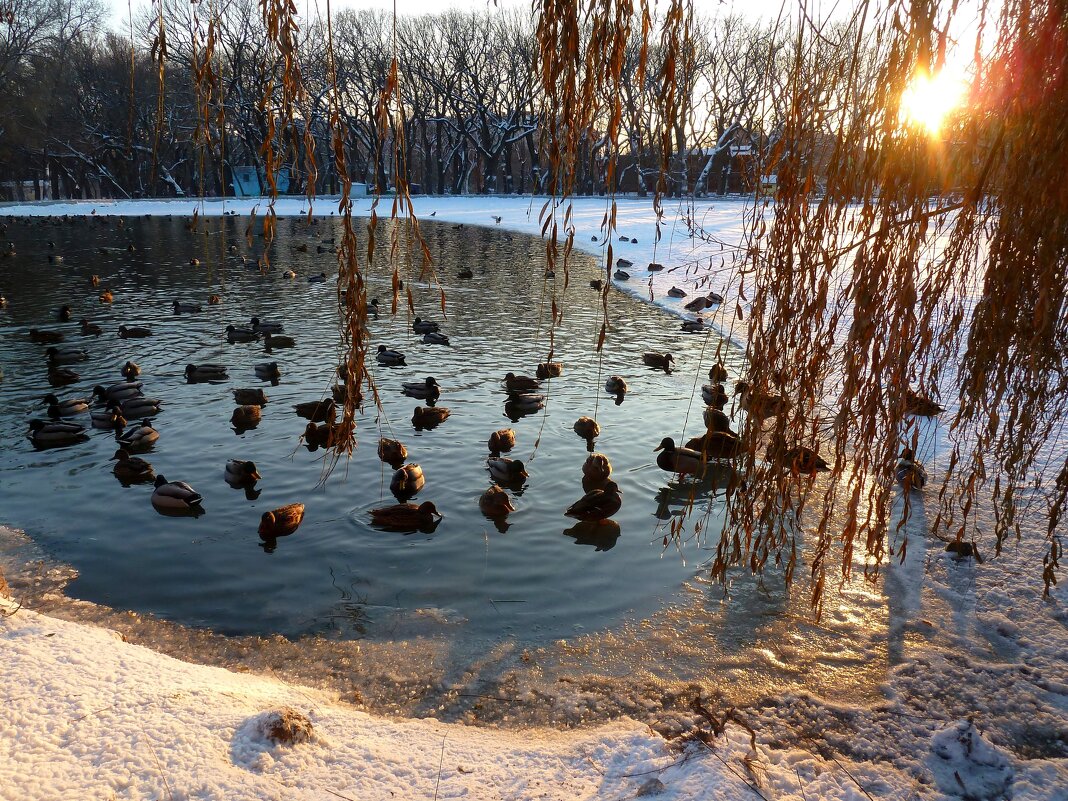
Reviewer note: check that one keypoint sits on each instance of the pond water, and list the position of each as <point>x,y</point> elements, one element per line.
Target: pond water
<point>468,584</point>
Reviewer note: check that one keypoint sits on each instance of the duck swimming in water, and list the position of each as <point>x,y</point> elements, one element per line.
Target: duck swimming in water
<point>176,496</point>
<point>597,504</point>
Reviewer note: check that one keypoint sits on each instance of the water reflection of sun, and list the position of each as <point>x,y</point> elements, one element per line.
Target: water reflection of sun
<point>930,98</point>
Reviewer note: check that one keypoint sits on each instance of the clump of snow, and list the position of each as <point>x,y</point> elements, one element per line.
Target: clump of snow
<point>964,764</point>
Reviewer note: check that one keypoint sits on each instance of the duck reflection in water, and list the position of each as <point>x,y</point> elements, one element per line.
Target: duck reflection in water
<point>601,534</point>
<point>677,496</point>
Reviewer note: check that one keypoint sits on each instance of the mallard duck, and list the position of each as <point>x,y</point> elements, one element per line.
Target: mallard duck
<point>717,444</point>
<point>317,411</point>
<point>62,376</point>
<point>301,248</point>
<point>506,470</point>
<point>661,361</point>
<point>761,405</point>
<point>501,441</point>
<point>435,338</point>
<point>655,267</point>
<point>317,279</point>
<point>549,370</point>
<point>240,473</point>
<point>65,408</point>
<point>64,314</point>
<point>324,435</point>
<point>693,326</point>
<point>525,402</point>
<point>137,437</point>
<point>798,458</point>
<point>282,521</point>
<point>289,275</point>
<point>520,383</point>
<point>421,326</point>
<point>921,406</point>
<point>66,355</point>
<point>495,503</point>
<point>717,420</point>
<point>597,284</point>
<point>714,395</point>
<point>372,308</point>
<point>140,406</point>
<point>615,386</point>
<point>268,371</point>
<point>94,280</point>
<point>714,298</point>
<point>175,496</point>
<point>389,357</point>
<point>679,460</point>
<point>108,418</point>
<point>717,373</point>
<point>90,329</point>
<point>621,275</point>
<point>265,327</point>
<point>624,264</point>
<point>392,452</point>
<point>407,481</point>
<point>186,308</point>
<point>250,397</point>
<point>131,469</point>
<point>107,296</point>
<point>117,393</point>
<point>45,337</point>
<point>429,416</point>
<point>597,504</point>
<point>131,370</point>
<point>676,292</point>
<point>55,258</point>
<point>700,303</point>
<point>466,272</point>
<point>406,516</point>
<point>910,473</point>
<point>596,469</point>
<point>587,428</point>
<point>196,373</point>
<point>423,390</point>
<point>550,273</point>
<point>55,432</point>
<point>194,262</point>
<point>235,334</point>
<point>214,300</point>
<point>246,417</point>
<point>271,341</point>
<point>134,332</point>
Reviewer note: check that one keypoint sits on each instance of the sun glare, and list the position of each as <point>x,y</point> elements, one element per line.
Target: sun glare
<point>929,99</point>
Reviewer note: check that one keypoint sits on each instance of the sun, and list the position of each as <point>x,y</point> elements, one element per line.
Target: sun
<point>929,99</point>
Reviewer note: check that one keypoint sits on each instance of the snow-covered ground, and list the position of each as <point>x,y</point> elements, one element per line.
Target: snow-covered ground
<point>974,704</point>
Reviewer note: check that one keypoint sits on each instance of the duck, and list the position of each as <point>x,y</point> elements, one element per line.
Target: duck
<point>597,284</point>
<point>131,370</point>
<point>140,406</point>
<point>117,393</point>
<point>235,334</point>
<point>90,329</point>
<point>55,432</point>
<point>520,383</point>
<point>45,337</point>
<point>282,521</point>
<point>289,275</point>
<point>186,308</point>
<point>134,332</point>
<point>175,496</point>
<point>137,437</point>
<point>421,326</point>
<point>714,298</point>
<point>271,341</point>
<point>587,428</point>
<point>250,397</point>
<point>406,516</point>
<point>372,308</point>
<point>621,275</point>
<point>61,376</point>
<point>241,473</point>
<point>324,435</point>
<point>268,371</point>
<point>921,406</point>
<point>429,416</point>
<point>597,504</point>
<point>761,405</point>
<point>661,361</point>
<point>392,452</point>
<point>698,304</point>
<point>66,355</point>
<point>549,370</point>
<point>94,280</point>
<point>714,395</point>
<point>194,262</point>
<point>799,459</point>
<point>495,503</point>
<point>214,300</point>
<point>717,420</point>
<point>423,390</point>
<point>265,327</point>
<point>55,258</point>
<point>676,292</point>
<point>623,264</point>
<point>466,272</point>
<point>195,373</point>
<point>317,279</point>
<point>110,418</point>
<point>596,470</point>
<point>407,480</point>
<point>70,407</point>
<point>389,357</point>
<point>525,402</point>
<point>615,386</point>
<point>435,338</point>
<point>501,441</point>
<point>107,296</point>
<point>717,373</point>
<point>131,469</point>
<point>246,417</point>
<point>679,460</point>
<point>716,444</point>
<point>64,314</point>
<point>693,326</point>
<point>319,411</point>
<point>506,470</point>
<point>910,473</point>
